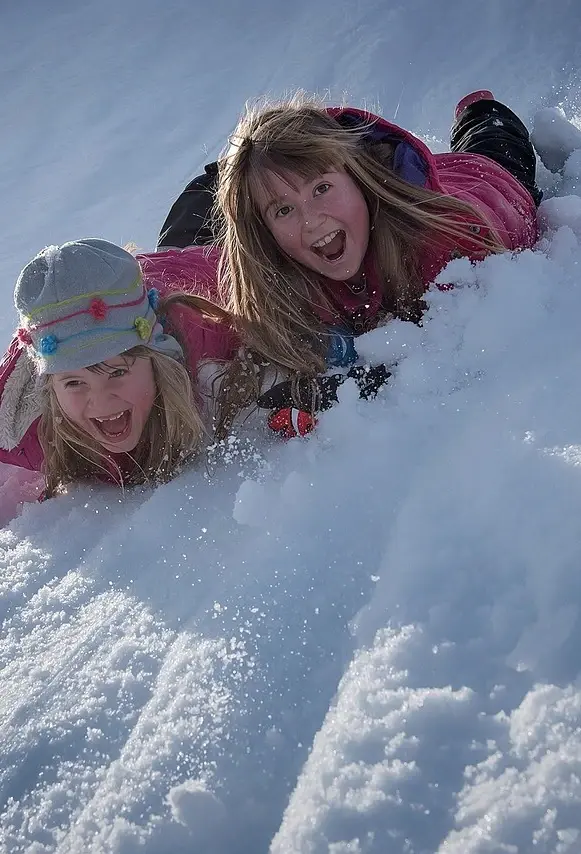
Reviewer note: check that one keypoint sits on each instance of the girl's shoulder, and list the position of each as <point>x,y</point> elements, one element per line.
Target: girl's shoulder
<point>193,270</point>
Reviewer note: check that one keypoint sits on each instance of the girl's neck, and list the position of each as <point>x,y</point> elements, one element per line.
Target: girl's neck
<point>357,284</point>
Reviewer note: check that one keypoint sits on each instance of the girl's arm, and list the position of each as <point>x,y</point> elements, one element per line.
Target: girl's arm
<point>19,410</point>
<point>189,221</point>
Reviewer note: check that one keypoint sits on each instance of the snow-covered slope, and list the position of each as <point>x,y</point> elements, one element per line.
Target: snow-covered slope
<point>361,643</point>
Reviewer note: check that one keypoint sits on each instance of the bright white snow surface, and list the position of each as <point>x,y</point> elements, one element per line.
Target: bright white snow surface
<point>364,642</point>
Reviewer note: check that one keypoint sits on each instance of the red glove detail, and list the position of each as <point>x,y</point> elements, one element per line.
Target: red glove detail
<point>291,422</point>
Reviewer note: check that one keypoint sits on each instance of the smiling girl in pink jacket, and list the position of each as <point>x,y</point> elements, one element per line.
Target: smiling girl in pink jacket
<point>336,220</point>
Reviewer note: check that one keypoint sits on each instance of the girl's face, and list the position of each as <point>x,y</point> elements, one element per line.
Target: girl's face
<point>321,223</point>
<point>110,402</point>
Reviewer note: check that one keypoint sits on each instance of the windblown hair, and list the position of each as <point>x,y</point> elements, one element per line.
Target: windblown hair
<point>172,436</point>
<point>275,301</point>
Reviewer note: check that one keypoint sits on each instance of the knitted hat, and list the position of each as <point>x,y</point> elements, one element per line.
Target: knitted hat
<point>84,302</point>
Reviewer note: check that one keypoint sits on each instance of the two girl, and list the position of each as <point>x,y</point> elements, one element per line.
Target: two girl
<point>331,221</point>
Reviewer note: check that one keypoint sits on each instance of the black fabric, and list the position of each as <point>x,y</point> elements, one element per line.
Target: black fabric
<point>368,379</point>
<point>189,222</point>
<point>491,128</point>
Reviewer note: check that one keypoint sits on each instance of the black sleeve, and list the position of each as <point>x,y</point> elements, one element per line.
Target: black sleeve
<point>189,221</point>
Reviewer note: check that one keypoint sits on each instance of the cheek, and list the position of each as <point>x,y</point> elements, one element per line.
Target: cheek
<point>69,405</point>
<point>144,393</point>
<point>286,237</point>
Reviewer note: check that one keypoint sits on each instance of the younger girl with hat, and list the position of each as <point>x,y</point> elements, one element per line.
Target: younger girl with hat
<point>93,385</point>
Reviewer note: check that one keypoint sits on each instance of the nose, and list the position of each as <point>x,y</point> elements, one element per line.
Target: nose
<point>100,401</point>
<point>311,215</point>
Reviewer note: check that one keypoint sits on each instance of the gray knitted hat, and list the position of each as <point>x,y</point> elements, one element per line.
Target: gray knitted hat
<point>84,302</point>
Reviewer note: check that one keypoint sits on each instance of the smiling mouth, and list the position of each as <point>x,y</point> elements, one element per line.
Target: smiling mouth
<point>330,247</point>
<point>114,428</point>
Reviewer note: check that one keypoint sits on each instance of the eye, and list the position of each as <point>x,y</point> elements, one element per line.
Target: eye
<point>73,383</point>
<point>283,211</point>
<point>321,188</point>
<point>118,372</point>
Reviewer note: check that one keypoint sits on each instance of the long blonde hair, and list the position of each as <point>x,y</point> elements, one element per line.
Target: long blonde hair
<point>277,302</point>
<point>172,436</point>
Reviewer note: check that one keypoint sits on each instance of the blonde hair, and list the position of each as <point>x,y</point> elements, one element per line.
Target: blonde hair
<point>172,436</point>
<point>277,302</point>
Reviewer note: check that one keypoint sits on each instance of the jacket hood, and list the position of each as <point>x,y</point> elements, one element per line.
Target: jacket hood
<point>412,159</point>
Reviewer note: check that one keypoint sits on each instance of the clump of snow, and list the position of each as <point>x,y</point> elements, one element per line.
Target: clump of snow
<point>554,137</point>
<point>197,808</point>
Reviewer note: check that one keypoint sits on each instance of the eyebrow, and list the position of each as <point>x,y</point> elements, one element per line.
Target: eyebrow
<point>271,203</point>
<point>275,200</point>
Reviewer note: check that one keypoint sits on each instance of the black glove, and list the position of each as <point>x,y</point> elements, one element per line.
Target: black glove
<point>369,380</point>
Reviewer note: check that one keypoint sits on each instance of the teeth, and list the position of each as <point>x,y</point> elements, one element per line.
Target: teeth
<point>324,240</point>
<point>111,417</point>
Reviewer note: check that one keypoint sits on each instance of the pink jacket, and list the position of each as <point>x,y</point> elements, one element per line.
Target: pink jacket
<point>193,270</point>
<point>493,191</point>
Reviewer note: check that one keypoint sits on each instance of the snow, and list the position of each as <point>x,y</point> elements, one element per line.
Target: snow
<point>555,136</point>
<point>361,642</point>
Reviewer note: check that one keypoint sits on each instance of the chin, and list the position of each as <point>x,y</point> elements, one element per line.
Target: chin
<point>124,447</point>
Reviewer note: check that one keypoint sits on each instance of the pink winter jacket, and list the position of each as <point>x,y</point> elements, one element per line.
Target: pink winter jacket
<point>192,270</point>
<point>473,178</point>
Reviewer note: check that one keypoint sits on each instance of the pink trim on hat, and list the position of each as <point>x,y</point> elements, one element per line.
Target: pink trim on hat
<point>91,312</point>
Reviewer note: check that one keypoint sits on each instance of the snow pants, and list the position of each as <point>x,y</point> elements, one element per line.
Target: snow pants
<point>492,129</point>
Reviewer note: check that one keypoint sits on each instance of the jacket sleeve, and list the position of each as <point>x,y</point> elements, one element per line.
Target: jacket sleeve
<point>25,452</point>
<point>193,270</point>
<point>189,222</point>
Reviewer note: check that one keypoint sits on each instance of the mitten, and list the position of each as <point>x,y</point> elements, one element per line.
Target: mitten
<point>290,422</point>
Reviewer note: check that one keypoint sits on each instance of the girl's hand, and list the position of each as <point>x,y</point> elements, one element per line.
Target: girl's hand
<point>290,422</point>
<point>323,390</point>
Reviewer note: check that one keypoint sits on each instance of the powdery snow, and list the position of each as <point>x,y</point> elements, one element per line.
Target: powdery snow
<point>362,642</point>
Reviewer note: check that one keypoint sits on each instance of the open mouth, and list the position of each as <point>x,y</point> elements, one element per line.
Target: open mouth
<point>330,247</point>
<point>114,428</point>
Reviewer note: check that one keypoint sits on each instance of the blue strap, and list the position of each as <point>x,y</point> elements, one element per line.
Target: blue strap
<point>341,351</point>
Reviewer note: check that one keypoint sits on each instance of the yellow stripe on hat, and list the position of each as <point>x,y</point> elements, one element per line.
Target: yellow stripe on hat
<point>70,300</point>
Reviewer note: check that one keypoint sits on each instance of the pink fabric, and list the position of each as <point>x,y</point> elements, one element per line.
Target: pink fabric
<point>472,98</point>
<point>17,487</point>
<point>192,270</point>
